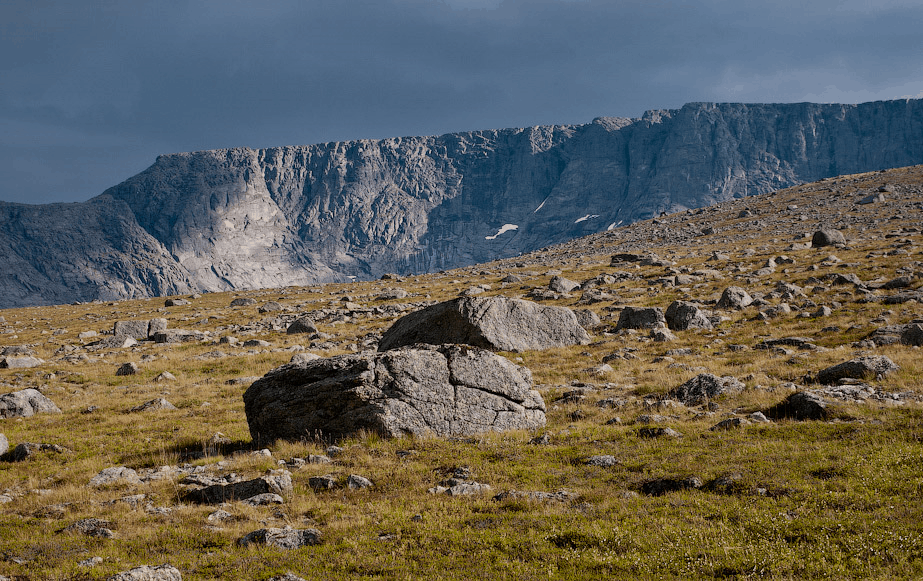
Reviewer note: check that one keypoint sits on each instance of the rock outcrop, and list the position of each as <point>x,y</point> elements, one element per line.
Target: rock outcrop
<point>447,390</point>
<point>497,323</point>
<point>244,218</point>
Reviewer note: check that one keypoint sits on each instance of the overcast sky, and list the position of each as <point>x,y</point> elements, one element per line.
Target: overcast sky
<point>92,91</point>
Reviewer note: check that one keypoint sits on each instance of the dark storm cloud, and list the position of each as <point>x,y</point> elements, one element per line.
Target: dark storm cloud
<point>91,92</point>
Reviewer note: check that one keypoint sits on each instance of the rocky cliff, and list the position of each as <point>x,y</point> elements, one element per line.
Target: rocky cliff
<point>245,218</point>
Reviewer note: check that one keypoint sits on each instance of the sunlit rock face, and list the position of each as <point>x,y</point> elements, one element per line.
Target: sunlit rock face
<point>244,218</point>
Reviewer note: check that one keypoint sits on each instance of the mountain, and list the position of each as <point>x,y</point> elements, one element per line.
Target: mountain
<point>247,218</point>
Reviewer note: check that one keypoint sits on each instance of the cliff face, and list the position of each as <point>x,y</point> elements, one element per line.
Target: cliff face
<point>243,218</point>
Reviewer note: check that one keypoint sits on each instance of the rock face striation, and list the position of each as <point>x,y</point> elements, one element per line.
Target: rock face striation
<point>446,390</point>
<point>245,218</point>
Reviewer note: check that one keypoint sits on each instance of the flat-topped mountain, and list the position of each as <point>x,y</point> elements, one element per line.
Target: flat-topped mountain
<point>244,218</point>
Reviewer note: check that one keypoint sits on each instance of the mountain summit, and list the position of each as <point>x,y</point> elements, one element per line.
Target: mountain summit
<point>247,218</point>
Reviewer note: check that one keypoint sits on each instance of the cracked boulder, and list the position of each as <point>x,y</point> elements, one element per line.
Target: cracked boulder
<point>445,390</point>
<point>496,323</point>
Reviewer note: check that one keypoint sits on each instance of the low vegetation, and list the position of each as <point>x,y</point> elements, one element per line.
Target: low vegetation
<point>819,499</point>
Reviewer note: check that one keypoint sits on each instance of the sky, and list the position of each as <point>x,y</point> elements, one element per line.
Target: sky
<point>92,91</point>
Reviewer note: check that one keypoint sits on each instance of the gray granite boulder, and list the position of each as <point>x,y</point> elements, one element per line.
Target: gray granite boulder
<point>287,538</point>
<point>827,238</point>
<point>704,387</point>
<point>801,405</point>
<point>22,362</point>
<point>641,318</point>
<point>497,323</point>
<point>4,444</point>
<point>276,482</point>
<point>682,315</point>
<point>25,403</point>
<point>445,390</point>
<point>858,368</point>
<point>734,297</point>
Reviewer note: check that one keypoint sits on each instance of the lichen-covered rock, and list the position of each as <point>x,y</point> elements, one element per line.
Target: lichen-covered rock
<point>682,315</point>
<point>827,237</point>
<point>858,368</point>
<point>734,297</point>
<point>445,390</point>
<point>148,573</point>
<point>25,403</point>
<point>276,482</point>
<point>496,323</point>
<point>287,538</point>
<point>641,318</point>
<point>705,387</point>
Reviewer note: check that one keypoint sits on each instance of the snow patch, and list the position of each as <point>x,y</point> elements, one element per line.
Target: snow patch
<point>587,217</point>
<point>614,225</point>
<point>505,228</point>
<point>540,206</point>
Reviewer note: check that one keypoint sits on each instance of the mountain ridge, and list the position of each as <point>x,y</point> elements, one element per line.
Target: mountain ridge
<point>244,218</point>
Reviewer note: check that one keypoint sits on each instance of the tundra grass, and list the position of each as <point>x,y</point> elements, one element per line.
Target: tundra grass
<point>840,499</point>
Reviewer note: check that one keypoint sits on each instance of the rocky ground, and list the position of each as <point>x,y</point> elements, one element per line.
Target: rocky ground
<point>746,403</point>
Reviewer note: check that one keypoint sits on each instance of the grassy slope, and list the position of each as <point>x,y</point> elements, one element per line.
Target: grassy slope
<point>842,500</point>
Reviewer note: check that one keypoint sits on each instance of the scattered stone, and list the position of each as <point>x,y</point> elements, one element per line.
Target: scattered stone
<point>129,368</point>
<point>152,405</point>
<point>356,482</point>
<point>446,390</point>
<point>559,284</point>
<point>393,294</point>
<point>24,362</point>
<point>587,318</point>
<point>287,577</point>
<point>734,297</point>
<point>325,482</point>
<point>285,538</point>
<point>730,424</point>
<point>823,238</point>
<point>872,199</point>
<point>661,486</point>
<point>640,318</point>
<point>705,387</point>
<point>243,302</point>
<point>302,325</point>
<point>256,343</point>
<point>822,311</point>
<point>91,562</point>
<point>165,376</point>
<point>274,482</point>
<point>265,499</point>
<point>27,450</point>
<point>649,432</point>
<point>175,303</point>
<point>800,405</point>
<point>91,527</point>
<point>115,475</point>
<point>270,307</point>
<point>148,573</point>
<point>682,315</point>
<point>4,444</point>
<point>604,461</point>
<point>860,368</point>
<point>26,403</point>
<point>730,483</point>
<point>799,342</point>
<point>559,496</point>
<point>496,323</point>
<point>662,335</point>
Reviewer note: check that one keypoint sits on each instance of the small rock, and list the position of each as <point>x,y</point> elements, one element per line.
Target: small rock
<point>114,475</point>
<point>356,482</point>
<point>730,424</point>
<point>287,538</point>
<point>264,499</point>
<point>243,302</point>
<point>148,573</point>
<point>325,482</point>
<point>152,405</point>
<point>129,368</point>
<point>604,461</point>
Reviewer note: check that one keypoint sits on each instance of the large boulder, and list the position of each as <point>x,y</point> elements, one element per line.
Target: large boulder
<point>682,315</point>
<point>641,318</point>
<point>445,390</point>
<point>827,238</point>
<point>133,329</point>
<point>23,362</point>
<point>801,405</point>
<point>734,297</point>
<point>869,367</point>
<point>25,403</point>
<point>496,323</point>
<point>704,387</point>
<point>4,444</point>
<point>287,538</point>
<point>913,335</point>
